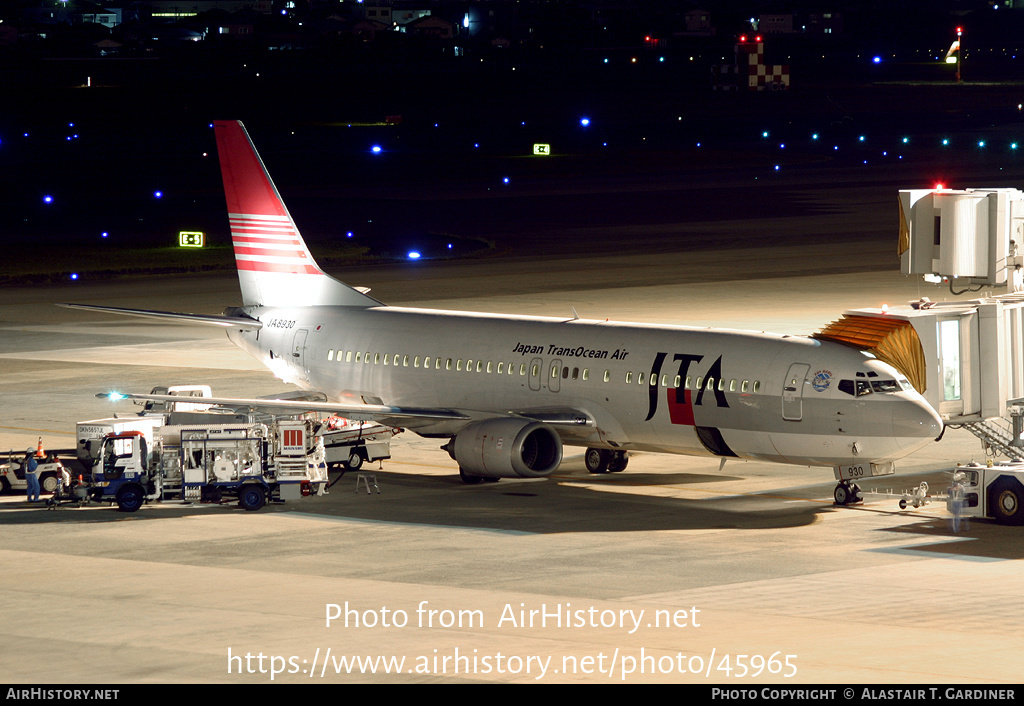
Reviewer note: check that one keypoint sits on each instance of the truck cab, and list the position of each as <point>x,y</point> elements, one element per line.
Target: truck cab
<point>122,471</point>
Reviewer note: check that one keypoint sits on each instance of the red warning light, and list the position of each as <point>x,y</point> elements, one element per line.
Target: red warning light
<point>743,38</point>
<point>757,39</point>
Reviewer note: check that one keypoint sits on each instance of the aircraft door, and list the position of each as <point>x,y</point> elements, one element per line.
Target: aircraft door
<point>793,391</point>
<point>536,370</point>
<point>554,376</point>
<point>299,348</point>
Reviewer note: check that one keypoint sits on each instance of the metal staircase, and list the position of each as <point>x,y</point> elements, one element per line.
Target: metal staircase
<point>998,436</point>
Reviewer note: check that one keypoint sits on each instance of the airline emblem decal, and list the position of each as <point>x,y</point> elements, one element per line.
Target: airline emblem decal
<point>821,380</point>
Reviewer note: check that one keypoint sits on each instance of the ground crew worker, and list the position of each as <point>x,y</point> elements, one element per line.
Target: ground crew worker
<point>31,466</point>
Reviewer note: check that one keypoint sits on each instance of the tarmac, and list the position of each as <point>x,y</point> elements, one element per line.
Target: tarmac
<point>675,570</point>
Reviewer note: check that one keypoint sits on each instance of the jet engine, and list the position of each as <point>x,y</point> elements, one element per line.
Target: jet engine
<point>507,448</point>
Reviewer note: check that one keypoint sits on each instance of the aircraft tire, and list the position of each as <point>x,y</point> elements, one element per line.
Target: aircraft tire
<point>597,460</point>
<point>1006,502</point>
<point>5,486</point>
<point>842,494</point>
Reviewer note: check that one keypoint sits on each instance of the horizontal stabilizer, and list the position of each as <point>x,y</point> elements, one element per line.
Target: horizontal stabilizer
<point>205,319</point>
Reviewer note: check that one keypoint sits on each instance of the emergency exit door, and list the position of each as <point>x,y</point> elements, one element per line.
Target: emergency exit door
<point>793,392</point>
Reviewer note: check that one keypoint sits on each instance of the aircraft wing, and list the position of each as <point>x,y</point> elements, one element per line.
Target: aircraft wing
<point>377,412</point>
<point>208,319</point>
<point>301,402</point>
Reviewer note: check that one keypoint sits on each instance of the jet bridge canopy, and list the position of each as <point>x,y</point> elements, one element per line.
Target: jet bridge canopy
<point>966,358</point>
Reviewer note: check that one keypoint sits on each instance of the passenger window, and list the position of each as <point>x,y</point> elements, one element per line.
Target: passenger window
<point>629,377</point>
<point>607,375</point>
<point>697,385</point>
<point>359,356</point>
<point>376,358</point>
<point>348,356</point>
<point>743,386</point>
<point>479,366</point>
<point>565,373</point>
<point>586,374</point>
<point>757,386</point>
<point>639,378</point>
<point>458,365</point>
<point>386,358</point>
<point>732,385</point>
<point>448,364</point>
<point>330,354</point>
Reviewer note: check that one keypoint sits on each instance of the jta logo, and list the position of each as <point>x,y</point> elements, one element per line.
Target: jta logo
<point>679,400</point>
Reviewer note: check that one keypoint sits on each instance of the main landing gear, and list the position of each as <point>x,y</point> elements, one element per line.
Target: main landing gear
<point>605,460</point>
<point>847,493</point>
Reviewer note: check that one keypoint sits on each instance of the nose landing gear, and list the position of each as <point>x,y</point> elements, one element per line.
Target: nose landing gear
<point>847,493</point>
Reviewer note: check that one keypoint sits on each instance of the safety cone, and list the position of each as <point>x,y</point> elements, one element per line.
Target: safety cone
<point>39,450</point>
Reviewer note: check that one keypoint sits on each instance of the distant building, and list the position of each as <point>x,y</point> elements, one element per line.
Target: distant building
<point>698,22</point>
<point>431,26</point>
<point>374,11</point>
<point>74,12</point>
<point>172,9</point>
<point>775,24</point>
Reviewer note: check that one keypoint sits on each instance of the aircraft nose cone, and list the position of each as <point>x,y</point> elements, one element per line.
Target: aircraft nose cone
<point>917,420</point>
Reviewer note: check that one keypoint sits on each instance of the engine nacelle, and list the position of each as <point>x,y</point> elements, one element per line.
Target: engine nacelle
<point>508,448</point>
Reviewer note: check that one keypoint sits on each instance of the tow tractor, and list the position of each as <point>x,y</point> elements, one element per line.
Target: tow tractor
<point>995,492</point>
<point>13,478</point>
<point>253,463</point>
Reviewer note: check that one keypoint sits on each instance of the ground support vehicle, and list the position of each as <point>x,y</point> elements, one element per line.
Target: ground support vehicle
<point>349,444</point>
<point>251,463</point>
<point>995,492</point>
<point>12,478</point>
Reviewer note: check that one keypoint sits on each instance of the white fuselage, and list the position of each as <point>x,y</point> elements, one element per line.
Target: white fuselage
<point>609,385</point>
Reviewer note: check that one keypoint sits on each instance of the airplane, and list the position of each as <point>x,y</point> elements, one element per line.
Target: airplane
<point>509,392</point>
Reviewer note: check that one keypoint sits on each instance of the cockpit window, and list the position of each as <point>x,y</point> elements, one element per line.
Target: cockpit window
<point>885,386</point>
<point>856,388</point>
<point>859,388</point>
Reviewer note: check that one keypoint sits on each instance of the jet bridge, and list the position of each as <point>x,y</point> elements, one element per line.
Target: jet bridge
<point>965,356</point>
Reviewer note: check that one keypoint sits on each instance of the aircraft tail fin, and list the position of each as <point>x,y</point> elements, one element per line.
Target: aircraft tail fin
<point>275,268</point>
